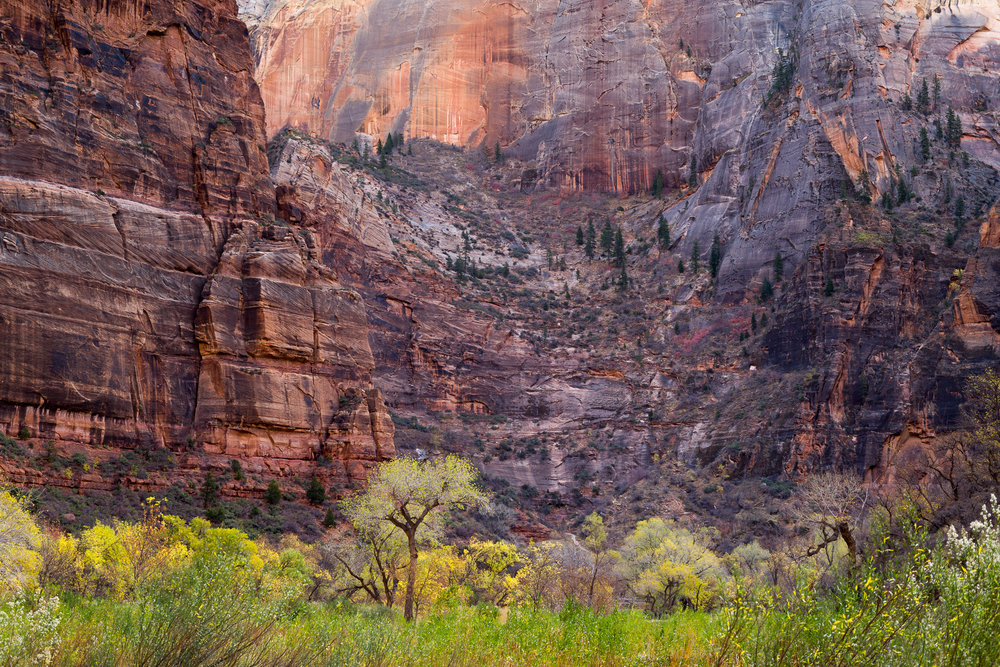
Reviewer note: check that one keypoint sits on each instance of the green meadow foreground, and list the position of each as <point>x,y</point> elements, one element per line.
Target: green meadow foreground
<point>170,592</point>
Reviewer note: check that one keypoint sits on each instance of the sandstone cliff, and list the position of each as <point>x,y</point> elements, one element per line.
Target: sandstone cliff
<point>148,300</point>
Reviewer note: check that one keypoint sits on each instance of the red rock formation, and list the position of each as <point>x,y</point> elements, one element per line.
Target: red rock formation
<point>146,299</point>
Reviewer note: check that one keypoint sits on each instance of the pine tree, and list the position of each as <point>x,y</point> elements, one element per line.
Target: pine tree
<point>316,493</point>
<point>619,248</point>
<point>903,193</point>
<point>390,143</point>
<point>680,266</point>
<point>938,129</point>
<point>273,494</point>
<point>937,90</point>
<point>779,267</point>
<point>209,491</point>
<point>379,147</point>
<point>753,322</point>
<point>330,520</point>
<point>663,232</point>
<point>907,102</point>
<point>497,153</point>
<point>714,257</point>
<point>623,280</point>
<point>354,146</point>
<point>925,145</point>
<point>959,211</point>
<point>579,235</point>
<point>607,238</point>
<point>658,184</point>
<point>954,128</point>
<point>695,257</point>
<point>924,98</point>
<point>828,290</point>
<point>693,176</point>
<point>766,289</point>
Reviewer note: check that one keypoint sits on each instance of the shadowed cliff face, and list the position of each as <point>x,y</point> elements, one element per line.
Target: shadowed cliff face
<point>146,298</point>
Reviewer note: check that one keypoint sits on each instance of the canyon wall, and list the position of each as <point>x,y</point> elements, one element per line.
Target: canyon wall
<point>604,95</point>
<point>148,301</point>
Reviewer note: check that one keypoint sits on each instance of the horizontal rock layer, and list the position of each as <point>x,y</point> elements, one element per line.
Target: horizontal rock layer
<point>146,297</point>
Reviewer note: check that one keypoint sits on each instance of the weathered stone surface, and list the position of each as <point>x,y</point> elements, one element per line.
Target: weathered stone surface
<point>602,95</point>
<point>145,298</point>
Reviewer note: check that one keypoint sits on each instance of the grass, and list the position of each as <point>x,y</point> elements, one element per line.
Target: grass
<point>100,632</point>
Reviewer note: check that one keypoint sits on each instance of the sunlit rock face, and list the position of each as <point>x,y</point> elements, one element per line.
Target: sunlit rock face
<point>603,95</point>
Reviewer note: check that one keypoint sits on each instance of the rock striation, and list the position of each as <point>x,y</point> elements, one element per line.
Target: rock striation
<point>604,95</point>
<point>148,299</point>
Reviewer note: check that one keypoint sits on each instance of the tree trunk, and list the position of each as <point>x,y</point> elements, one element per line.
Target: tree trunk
<point>411,575</point>
<point>852,546</point>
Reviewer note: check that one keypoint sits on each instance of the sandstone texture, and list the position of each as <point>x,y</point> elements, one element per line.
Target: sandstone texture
<point>182,278</point>
<point>147,299</point>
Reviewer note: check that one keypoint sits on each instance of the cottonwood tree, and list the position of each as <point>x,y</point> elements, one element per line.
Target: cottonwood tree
<point>833,503</point>
<point>595,538</point>
<point>372,564</point>
<point>19,541</point>
<point>665,565</point>
<point>411,496</point>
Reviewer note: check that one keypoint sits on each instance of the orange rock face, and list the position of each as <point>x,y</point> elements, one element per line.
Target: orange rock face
<point>595,94</point>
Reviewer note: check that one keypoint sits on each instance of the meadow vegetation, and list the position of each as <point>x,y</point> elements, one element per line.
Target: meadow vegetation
<point>890,576</point>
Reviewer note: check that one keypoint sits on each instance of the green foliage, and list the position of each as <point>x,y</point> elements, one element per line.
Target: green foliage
<point>953,130</point>
<point>273,494</point>
<point>959,211</point>
<point>29,629</point>
<point>209,491</point>
<point>715,256</point>
<point>924,98</point>
<point>24,433</point>
<point>782,75</point>
<point>658,184</point>
<point>778,267</point>
<point>665,566</point>
<point>663,232</point>
<point>412,496</point>
<point>766,290</point>
<point>607,238</point>
<point>693,172</point>
<point>925,145</point>
<point>829,287</point>
<point>905,605</point>
<point>588,246</point>
<point>316,492</point>
<point>695,256</point>
<point>579,235</point>
<point>19,543</point>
